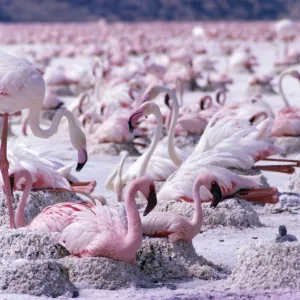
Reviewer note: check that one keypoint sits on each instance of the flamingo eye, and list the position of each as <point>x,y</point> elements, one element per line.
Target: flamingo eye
<point>213,182</point>
<point>152,187</point>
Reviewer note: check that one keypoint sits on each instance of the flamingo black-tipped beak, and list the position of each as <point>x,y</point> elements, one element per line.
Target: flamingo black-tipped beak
<point>133,120</point>
<point>82,159</point>
<point>167,100</point>
<point>252,120</point>
<point>216,193</point>
<point>131,128</point>
<point>151,201</point>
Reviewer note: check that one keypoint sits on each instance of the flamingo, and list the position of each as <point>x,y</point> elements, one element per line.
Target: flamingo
<point>287,120</point>
<point>176,227</point>
<point>104,231</point>
<point>161,161</point>
<point>53,218</point>
<point>220,146</point>
<point>21,87</point>
<point>208,186</point>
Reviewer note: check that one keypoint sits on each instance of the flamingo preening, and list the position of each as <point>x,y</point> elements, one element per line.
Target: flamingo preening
<point>105,231</point>
<point>21,87</point>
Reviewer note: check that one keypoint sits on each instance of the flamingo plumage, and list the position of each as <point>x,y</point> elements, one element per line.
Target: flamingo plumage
<point>105,231</point>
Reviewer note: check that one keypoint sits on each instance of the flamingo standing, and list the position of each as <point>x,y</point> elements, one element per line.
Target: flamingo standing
<point>104,231</point>
<point>21,87</point>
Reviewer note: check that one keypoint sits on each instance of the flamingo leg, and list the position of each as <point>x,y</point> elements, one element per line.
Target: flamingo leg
<point>78,187</point>
<point>4,165</point>
<point>287,169</point>
<point>260,195</point>
<point>297,162</point>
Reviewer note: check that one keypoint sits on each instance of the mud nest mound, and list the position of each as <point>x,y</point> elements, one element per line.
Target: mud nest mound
<point>231,212</point>
<point>161,261</point>
<point>102,273</point>
<point>267,266</point>
<point>289,145</point>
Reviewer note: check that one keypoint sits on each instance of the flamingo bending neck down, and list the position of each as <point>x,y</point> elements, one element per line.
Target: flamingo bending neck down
<point>21,87</point>
<point>293,73</point>
<point>53,218</point>
<point>114,181</point>
<point>102,230</point>
<point>151,93</point>
<point>177,227</point>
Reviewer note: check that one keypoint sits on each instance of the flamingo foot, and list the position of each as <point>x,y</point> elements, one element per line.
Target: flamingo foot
<point>78,187</point>
<point>295,161</point>
<point>260,195</point>
<point>84,187</point>
<point>186,199</point>
<point>287,169</point>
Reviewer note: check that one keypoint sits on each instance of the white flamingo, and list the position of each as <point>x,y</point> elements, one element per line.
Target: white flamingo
<point>21,87</point>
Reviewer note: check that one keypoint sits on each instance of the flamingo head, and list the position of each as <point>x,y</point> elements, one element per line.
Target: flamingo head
<point>145,110</point>
<point>147,188</point>
<point>216,192</point>
<point>295,74</point>
<point>134,118</point>
<point>210,190</point>
<point>151,93</point>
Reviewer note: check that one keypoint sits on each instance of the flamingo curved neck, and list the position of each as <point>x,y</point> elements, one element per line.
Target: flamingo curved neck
<point>119,182</point>
<point>283,96</point>
<point>175,112</point>
<point>197,219</point>
<point>171,148</point>
<point>20,217</point>
<point>154,142</point>
<point>74,131</point>
<point>134,235</point>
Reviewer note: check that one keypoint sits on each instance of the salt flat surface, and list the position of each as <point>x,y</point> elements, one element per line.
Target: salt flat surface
<point>220,245</point>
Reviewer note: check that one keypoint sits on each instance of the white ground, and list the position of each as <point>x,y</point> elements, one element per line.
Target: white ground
<point>219,245</point>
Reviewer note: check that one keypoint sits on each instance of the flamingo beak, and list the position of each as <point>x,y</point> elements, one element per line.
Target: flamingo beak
<point>152,201</point>
<point>134,119</point>
<point>167,100</point>
<point>217,194</point>
<point>82,159</point>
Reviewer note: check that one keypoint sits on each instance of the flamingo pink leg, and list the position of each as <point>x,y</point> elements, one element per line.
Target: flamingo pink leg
<point>4,165</point>
<point>287,169</point>
<point>261,195</point>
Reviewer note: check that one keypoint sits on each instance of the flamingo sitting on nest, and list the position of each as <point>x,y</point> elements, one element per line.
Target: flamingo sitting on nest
<point>207,187</point>
<point>287,121</point>
<point>220,146</point>
<point>104,231</point>
<point>21,87</point>
<point>53,218</point>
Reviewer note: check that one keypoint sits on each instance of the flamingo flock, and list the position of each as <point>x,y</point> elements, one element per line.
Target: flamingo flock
<point>150,93</point>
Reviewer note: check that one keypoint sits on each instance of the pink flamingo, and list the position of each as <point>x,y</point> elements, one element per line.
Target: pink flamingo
<point>287,120</point>
<point>176,227</point>
<point>206,188</point>
<point>22,86</point>
<point>53,218</point>
<point>104,231</point>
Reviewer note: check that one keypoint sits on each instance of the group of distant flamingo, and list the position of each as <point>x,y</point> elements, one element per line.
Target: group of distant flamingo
<point>121,100</point>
